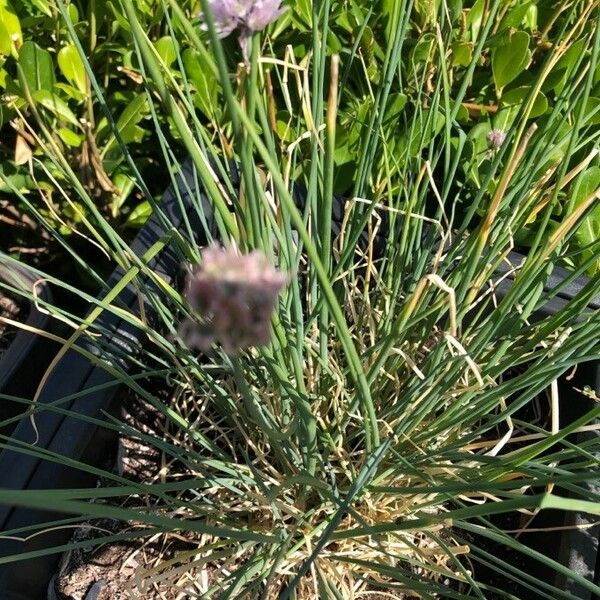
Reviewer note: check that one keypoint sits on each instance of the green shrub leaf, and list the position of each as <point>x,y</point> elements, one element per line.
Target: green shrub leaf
<point>71,66</point>
<point>589,229</point>
<point>69,137</point>
<point>139,215</point>
<point>127,123</point>
<point>514,17</point>
<point>37,66</point>
<point>510,59</point>
<point>11,36</point>
<point>166,50</point>
<point>462,53</point>
<point>56,106</point>
<point>518,95</point>
<point>43,6</point>
<point>206,84</point>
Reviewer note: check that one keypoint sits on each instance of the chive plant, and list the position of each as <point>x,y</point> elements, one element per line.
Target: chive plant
<point>371,444</point>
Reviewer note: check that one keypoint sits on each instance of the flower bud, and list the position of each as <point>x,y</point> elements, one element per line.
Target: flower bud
<point>247,16</point>
<point>233,297</point>
<point>496,138</point>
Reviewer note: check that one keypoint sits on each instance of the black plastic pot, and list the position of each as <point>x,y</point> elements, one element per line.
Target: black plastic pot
<point>570,538</point>
<point>96,389</point>
<point>92,390</point>
<point>579,543</point>
<point>28,353</point>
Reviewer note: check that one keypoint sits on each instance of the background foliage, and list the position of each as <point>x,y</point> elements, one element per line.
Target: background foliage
<point>519,67</point>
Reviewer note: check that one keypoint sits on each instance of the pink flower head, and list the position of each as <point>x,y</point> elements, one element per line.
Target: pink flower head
<point>247,16</point>
<point>234,296</point>
<point>496,138</point>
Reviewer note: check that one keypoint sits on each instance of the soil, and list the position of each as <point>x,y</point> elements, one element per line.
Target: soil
<point>111,571</point>
<point>9,309</point>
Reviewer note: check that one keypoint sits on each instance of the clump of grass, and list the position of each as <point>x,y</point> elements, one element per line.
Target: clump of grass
<point>369,446</point>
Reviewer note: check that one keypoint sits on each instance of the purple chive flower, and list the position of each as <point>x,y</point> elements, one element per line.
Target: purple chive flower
<point>496,138</point>
<point>247,16</point>
<point>233,297</point>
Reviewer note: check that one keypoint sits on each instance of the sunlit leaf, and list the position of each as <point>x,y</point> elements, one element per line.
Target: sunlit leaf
<point>71,66</point>
<point>510,58</point>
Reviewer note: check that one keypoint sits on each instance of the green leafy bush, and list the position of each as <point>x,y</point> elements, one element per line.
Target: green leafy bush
<point>532,79</point>
<point>45,86</point>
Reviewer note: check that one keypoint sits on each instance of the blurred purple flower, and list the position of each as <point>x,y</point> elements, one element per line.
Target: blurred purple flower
<point>247,16</point>
<point>496,138</point>
<point>234,296</point>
